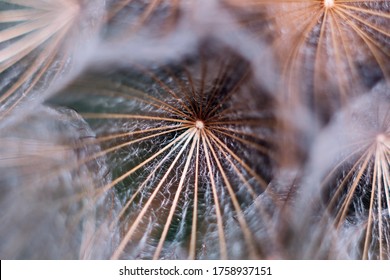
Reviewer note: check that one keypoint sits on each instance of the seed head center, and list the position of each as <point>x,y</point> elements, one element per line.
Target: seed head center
<point>329,3</point>
<point>199,124</point>
<point>381,139</point>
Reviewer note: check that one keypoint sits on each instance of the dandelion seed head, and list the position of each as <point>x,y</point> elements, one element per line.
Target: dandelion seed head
<point>188,151</point>
<point>334,50</point>
<point>34,155</point>
<point>349,180</point>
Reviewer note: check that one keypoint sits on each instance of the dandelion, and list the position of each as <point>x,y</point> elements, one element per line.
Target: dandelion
<point>47,212</point>
<point>328,50</point>
<point>355,186</point>
<point>35,45</point>
<point>188,153</point>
